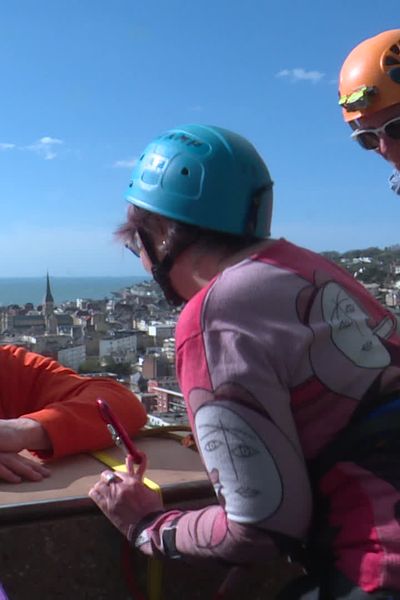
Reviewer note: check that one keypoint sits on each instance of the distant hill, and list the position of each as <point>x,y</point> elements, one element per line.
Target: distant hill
<point>370,265</point>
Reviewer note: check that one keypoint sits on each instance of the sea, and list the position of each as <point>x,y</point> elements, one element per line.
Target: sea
<point>20,290</point>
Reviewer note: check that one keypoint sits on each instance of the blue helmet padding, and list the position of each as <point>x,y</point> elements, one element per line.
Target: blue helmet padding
<point>206,176</point>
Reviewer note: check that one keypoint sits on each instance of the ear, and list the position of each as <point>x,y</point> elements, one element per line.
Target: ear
<point>158,234</point>
<point>160,231</point>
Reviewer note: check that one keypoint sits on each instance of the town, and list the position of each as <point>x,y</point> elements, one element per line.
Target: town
<point>129,338</point>
<point>377,269</point>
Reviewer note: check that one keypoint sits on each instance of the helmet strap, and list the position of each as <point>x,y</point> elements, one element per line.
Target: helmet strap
<point>252,213</point>
<point>160,274</point>
<point>161,269</point>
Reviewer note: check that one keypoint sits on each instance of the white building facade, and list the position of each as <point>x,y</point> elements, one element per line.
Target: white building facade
<point>72,357</point>
<point>118,346</point>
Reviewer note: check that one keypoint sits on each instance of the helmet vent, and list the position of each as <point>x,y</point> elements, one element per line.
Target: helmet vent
<point>185,171</point>
<point>391,60</point>
<point>394,75</point>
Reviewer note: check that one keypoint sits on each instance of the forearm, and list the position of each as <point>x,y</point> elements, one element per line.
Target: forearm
<point>58,407</point>
<point>74,424</point>
<point>34,435</point>
<point>204,534</point>
<point>19,434</point>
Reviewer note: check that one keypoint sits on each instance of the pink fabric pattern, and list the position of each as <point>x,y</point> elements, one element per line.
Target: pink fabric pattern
<point>273,357</point>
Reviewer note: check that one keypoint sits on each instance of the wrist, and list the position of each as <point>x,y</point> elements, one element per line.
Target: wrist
<point>135,531</point>
<point>32,434</point>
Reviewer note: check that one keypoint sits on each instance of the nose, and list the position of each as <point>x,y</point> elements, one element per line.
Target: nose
<point>389,149</point>
<point>383,145</point>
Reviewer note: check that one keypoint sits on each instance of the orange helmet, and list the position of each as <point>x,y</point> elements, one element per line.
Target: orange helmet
<point>370,76</point>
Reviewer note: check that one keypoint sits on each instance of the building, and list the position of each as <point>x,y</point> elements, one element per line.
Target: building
<point>72,357</point>
<point>16,320</point>
<point>169,397</point>
<point>167,418</point>
<point>373,288</point>
<point>155,365</point>
<point>392,298</point>
<point>119,347</point>
<point>168,349</point>
<point>48,310</point>
<point>161,331</point>
<point>20,323</point>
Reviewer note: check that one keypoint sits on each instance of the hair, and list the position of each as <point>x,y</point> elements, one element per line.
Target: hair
<point>181,235</point>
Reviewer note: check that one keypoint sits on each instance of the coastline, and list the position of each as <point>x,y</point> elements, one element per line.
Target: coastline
<point>21,290</point>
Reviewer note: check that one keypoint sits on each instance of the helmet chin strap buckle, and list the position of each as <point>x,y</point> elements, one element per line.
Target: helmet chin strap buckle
<point>360,99</point>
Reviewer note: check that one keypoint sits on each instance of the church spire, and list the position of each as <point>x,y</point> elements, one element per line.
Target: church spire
<point>48,310</point>
<point>49,295</point>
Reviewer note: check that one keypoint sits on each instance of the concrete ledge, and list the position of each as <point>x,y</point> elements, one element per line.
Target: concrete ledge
<point>79,558</point>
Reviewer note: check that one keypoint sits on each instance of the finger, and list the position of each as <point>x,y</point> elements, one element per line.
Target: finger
<point>103,495</point>
<point>142,467</point>
<point>25,470</point>
<point>45,471</point>
<point>109,477</point>
<point>24,467</point>
<point>93,493</point>
<point>106,475</point>
<point>130,465</point>
<point>8,475</point>
<point>100,489</point>
<point>36,466</point>
<point>98,498</point>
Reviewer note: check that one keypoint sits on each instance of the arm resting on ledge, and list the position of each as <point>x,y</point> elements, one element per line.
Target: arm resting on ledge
<point>58,406</point>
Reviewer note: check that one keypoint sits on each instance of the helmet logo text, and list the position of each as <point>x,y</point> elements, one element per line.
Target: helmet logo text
<point>183,138</point>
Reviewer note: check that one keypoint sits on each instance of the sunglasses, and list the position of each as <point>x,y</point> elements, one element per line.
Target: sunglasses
<point>369,138</point>
<point>135,245</point>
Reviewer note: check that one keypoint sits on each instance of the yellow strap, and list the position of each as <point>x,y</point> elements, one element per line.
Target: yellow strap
<point>154,569</point>
<point>104,457</point>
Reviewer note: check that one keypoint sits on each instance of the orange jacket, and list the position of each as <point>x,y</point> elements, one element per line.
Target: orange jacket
<point>63,402</point>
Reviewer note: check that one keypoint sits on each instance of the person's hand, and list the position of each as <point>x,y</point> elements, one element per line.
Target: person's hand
<point>11,438</point>
<point>15,468</point>
<point>21,433</point>
<point>124,498</point>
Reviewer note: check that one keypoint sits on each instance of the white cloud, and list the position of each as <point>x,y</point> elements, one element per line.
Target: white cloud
<point>45,147</point>
<point>300,74</point>
<point>129,163</point>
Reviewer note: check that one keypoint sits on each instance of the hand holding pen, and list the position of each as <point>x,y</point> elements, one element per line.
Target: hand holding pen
<point>120,435</point>
<point>123,497</point>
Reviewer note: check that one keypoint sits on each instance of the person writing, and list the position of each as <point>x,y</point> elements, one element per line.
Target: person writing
<point>369,94</point>
<point>52,411</point>
<point>289,370</point>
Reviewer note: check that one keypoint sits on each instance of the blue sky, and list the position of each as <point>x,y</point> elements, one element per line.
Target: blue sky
<point>86,84</point>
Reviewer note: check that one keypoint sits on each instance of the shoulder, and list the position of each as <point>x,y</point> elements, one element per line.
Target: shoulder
<point>190,320</point>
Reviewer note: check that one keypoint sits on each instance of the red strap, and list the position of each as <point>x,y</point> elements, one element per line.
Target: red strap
<point>127,568</point>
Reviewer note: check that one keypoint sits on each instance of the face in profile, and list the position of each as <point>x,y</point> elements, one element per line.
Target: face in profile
<point>387,141</point>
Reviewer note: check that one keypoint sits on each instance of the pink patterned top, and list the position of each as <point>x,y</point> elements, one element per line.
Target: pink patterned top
<point>273,357</point>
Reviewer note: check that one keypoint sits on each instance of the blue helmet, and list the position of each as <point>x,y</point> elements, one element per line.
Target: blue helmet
<point>205,176</point>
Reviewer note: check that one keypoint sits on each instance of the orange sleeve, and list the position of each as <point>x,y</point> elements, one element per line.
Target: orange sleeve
<point>63,402</point>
